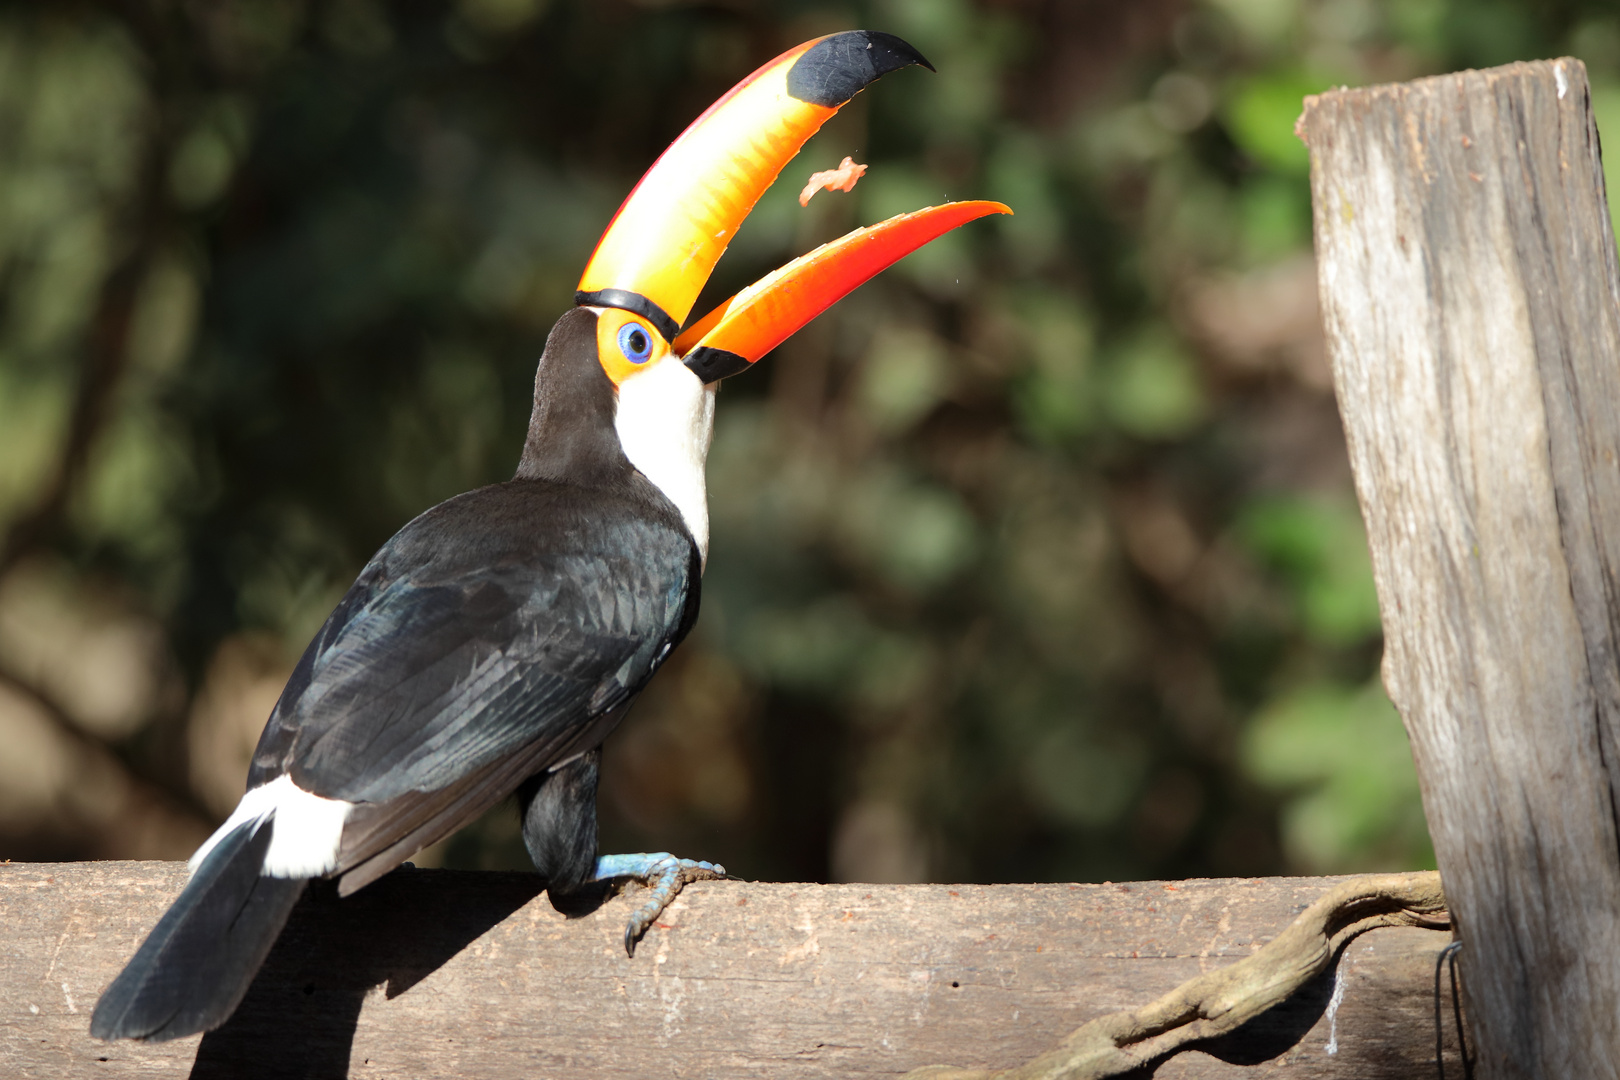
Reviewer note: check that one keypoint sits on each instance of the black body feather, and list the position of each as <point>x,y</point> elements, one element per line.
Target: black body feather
<point>559,822</point>
<point>495,636</point>
<point>449,657</point>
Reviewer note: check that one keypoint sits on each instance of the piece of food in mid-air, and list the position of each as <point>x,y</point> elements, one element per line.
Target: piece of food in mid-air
<point>497,639</point>
<point>840,179</point>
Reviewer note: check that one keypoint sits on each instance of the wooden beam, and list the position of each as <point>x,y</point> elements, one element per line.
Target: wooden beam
<point>1469,286</point>
<point>433,973</point>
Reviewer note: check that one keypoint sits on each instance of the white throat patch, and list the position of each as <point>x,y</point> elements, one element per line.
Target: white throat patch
<point>665,421</point>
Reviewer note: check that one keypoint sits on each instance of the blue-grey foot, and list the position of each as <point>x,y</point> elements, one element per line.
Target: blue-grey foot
<point>661,872</point>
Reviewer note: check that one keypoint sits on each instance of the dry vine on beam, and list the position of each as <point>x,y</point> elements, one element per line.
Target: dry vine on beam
<point>1221,1001</point>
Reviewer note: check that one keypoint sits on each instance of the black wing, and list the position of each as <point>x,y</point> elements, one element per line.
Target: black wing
<point>496,635</point>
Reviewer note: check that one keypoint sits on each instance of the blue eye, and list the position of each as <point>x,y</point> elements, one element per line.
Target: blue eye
<point>635,343</point>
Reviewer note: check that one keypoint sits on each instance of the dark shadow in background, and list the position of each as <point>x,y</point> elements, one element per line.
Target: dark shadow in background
<point>299,1017</point>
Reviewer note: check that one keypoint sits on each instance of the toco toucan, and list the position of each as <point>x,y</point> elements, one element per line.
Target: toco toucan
<point>498,638</point>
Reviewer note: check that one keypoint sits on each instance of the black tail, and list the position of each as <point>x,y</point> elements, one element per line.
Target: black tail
<point>197,963</point>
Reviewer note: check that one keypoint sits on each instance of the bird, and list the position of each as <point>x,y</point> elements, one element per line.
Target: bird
<point>495,641</point>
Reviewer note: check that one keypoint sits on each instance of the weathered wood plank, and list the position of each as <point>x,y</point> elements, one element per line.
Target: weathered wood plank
<point>1469,287</point>
<point>443,974</point>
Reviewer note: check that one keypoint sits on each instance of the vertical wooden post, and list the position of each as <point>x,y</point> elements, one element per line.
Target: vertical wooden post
<point>1472,302</point>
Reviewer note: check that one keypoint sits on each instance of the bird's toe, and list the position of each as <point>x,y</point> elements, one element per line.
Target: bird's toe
<point>664,875</point>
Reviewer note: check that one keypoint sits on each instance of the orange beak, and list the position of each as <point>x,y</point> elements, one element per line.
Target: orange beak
<point>758,319</point>
<point>662,245</point>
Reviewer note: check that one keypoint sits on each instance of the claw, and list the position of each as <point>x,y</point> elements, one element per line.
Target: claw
<point>664,875</point>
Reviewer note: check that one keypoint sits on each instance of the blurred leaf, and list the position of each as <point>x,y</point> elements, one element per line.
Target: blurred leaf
<point>139,463</point>
<point>1056,400</point>
<point>1151,386</point>
<point>357,27</point>
<point>165,317</point>
<point>1083,781</point>
<point>818,648</point>
<point>1320,547</point>
<point>1267,22</point>
<point>33,417</point>
<point>1342,756</point>
<point>1419,24</point>
<point>1276,217</point>
<point>1260,114</point>
<point>1595,40</point>
<point>1121,138</point>
<point>202,167</point>
<point>915,534</point>
<point>1018,176</point>
<point>1484,33</point>
<point>969,42</point>
<point>500,16</point>
<point>906,373</point>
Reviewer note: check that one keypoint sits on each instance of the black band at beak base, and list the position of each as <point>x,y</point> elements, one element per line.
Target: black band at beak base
<point>632,301</point>
<point>712,365</point>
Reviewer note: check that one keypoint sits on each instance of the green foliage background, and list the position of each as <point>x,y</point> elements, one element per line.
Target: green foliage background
<point>1035,559</point>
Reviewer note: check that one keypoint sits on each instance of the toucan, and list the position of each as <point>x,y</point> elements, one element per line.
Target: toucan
<point>492,644</point>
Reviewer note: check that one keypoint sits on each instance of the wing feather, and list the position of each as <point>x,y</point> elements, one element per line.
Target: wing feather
<point>474,651</point>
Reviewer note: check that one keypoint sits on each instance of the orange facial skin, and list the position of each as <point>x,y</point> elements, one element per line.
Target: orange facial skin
<point>619,348</point>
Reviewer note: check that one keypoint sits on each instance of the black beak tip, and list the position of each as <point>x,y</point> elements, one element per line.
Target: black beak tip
<point>838,67</point>
<point>896,52</point>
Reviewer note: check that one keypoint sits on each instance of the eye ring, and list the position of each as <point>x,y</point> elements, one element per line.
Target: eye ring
<point>635,343</point>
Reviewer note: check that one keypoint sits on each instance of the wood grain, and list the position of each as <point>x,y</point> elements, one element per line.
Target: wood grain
<point>444,974</point>
<point>1469,287</point>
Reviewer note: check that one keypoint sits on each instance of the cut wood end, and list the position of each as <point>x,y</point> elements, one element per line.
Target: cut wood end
<point>1302,124</point>
<point>1567,73</point>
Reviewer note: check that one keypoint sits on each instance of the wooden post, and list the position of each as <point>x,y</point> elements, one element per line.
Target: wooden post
<point>1470,292</point>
